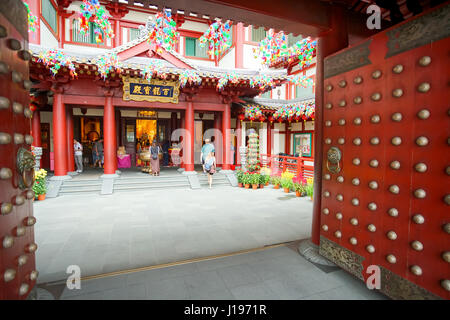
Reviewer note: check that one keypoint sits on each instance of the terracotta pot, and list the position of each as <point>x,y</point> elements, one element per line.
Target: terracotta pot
<point>277,186</point>
<point>267,183</point>
<point>41,197</point>
<point>240,184</point>
<point>261,185</point>
<point>247,186</point>
<point>298,194</point>
<point>255,186</point>
<point>286,190</point>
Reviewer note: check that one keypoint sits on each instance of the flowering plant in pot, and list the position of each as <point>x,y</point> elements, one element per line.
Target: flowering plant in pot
<point>299,189</point>
<point>246,180</point>
<point>266,173</point>
<point>262,180</point>
<point>275,180</point>
<point>239,176</point>
<point>286,181</point>
<point>254,180</point>
<point>39,186</point>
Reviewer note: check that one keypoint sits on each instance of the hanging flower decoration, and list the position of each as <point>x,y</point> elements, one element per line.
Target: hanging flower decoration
<point>261,81</point>
<point>271,47</point>
<point>55,59</point>
<point>228,77</point>
<point>32,19</point>
<point>189,76</point>
<point>93,9</point>
<point>155,68</point>
<point>274,48</point>
<point>253,112</point>
<point>300,80</point>
<point>107,64</point>
<point>218,36</point>
<point>295,112</point>
<point>163,31</point>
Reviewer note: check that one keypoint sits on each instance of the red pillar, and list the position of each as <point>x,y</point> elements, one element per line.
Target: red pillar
<point>69,135</point>
<point>188,148</point>
<point>269,138</point>
<point>36,128</point>
<point>332,42</point>
<point>59,134</point>
<point>109,136</point>
<point>217,139</point>
<point>287,139</point>
<point>238,141</point>
<point>182,125</point>
<point>239,47</point>
<point>226,133</point>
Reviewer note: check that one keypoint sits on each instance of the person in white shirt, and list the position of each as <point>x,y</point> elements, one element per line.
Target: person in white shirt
<point>78,150</point>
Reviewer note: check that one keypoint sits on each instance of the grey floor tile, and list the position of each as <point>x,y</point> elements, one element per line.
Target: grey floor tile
<point>167,289</point>
<point>238,275</point>
<point>204,281</point>
<point>254,291</point>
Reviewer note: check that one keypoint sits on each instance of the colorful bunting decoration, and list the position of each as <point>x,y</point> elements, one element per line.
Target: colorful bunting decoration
<point>107,64</point>
<point>274,48</point>
<point>55,59</point>
<point>189,76</point>
<point>300,80</point>
<point>32,19</point>
<point>92,8</point>
<point>155,68</point>
<point>218,36</point>
<point>261,81</point>
<point>295,112</point>
<point>271,47</point>
<point>228,77</point>
<point>253,112</point>
<point>164,31</point>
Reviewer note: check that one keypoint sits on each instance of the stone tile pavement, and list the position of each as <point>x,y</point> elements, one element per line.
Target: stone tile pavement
<point>128,230</point>
<point>275,273</point>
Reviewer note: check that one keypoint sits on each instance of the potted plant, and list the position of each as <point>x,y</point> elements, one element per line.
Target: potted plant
<point>276,182</point>
<point>239,176</point>
<point>286,181</point>
<point>39,186</point>
<point>246,180</point>
<point>310,188</point>
<point>262,180</point>
<point>254,180</point>
<point>299,189</point>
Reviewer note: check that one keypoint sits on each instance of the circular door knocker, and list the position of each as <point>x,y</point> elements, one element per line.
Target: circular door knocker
<point>25,166</point>
<point>333,158</point>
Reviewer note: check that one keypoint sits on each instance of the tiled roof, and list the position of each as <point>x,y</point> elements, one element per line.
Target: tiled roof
<point>275,104</point>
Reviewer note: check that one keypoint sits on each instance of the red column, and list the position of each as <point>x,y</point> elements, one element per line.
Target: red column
<point>269,138</point>
<point>59,134</point>
<point>69,135</point>
<point>239,45</point>
<point>238,141</point>
<point>36,128</point>
<point>117,35</point>
<point>226,133</point>
<point>333,41</point>
<point>188,148</point>
<point>287,139</point>
<point>217,139</point>
<point>109,136</point>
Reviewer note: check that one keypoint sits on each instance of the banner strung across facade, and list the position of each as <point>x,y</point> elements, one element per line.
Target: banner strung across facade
<point>154,90</point>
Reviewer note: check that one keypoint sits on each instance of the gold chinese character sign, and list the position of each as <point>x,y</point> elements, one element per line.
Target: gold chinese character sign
<point>138,89</point>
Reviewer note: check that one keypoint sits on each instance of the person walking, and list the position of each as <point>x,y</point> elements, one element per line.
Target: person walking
<point>98,152</point>
<point>210,167</point>
<point>155,150</point>
<point>78,153</point>
<point>207,148</point>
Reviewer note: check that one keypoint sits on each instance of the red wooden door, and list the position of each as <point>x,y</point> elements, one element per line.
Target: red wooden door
<point>17,259</point>
<point>385,193</point>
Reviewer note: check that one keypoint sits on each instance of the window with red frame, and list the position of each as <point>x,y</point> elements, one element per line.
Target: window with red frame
<point>49,15</point>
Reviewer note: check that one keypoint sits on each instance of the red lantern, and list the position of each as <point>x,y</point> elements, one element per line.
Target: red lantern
<point>262,118</point>
<point>33,107</point>
<point>241,116</point>
<point>270,118</point>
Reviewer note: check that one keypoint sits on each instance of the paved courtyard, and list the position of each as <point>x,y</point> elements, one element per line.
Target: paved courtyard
<point>269,274</point>
<point>127,230</point>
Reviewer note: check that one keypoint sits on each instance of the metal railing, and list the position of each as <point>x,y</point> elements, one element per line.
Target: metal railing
<point>296,165</point>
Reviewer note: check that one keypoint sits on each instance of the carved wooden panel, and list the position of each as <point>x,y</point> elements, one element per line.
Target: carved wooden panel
<point>389,200</point>
<point>17,247</point>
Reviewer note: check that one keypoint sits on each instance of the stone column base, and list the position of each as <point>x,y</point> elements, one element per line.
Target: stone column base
<point>109,176</point>
<point>310,252</point>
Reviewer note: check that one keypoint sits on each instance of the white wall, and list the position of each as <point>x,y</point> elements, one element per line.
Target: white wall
<point>137,17</point>
<point>47,38</point>
<point>228,61</point>
<point>278,142</point>
<point>249,60</point>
